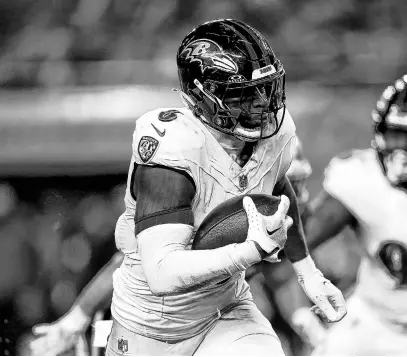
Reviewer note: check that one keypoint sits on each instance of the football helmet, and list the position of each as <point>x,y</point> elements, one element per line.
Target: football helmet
<point>390,125</point>
<point>231,79</point>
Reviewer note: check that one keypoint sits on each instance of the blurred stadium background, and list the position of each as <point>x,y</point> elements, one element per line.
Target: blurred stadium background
<point>76,74</point>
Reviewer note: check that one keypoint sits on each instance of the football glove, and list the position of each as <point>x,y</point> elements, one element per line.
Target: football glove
<point>269,232</point>
<point>62,336</point>
<point>329,302</point>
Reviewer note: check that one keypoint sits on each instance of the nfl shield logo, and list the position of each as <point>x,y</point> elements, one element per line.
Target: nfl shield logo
<point>243,182</point>
<point>122,345</point>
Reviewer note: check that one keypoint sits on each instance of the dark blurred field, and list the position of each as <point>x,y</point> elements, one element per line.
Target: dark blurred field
<point>65,131</point>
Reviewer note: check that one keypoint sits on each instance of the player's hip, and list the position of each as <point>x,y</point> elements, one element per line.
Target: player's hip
<point>175,317</point>
<point>131,292</point>
<point>123,341</point>
<point>241,321</point>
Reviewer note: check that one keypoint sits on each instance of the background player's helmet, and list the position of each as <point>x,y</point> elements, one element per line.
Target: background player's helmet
<point>390,117</point>
<point>231,79</point>
<point>298,172</point>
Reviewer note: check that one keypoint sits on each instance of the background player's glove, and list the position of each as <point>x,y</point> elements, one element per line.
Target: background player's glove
<point>329,301</point>
<point>61,336</point>
<point>269,232</point>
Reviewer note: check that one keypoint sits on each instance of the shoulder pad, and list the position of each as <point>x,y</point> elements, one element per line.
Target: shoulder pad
<point>288,126</point>
<point>350,154</point>
<point>286,158</point>
<point>166,136</point>
<point>347,173</point>
<point>287,139</point>
<point>300,168</point>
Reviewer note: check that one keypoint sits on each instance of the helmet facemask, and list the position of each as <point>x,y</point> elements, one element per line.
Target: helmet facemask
<point>390,124</point>
<point>249,110</point>
<point>395,164</point>
<point>392,150</point>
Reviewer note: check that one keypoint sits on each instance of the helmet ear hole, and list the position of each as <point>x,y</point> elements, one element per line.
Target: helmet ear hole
<point>197,111</point>
<point>219,121</point>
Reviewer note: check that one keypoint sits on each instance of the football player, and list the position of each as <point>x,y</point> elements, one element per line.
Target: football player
<point>366,190</point>
<point>233,137</point>
<point>64,334</point>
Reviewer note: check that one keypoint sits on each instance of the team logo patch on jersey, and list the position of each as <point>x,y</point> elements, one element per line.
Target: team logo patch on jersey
<point>147,148</point>
<point>168,115</point>
<point>209,55</point>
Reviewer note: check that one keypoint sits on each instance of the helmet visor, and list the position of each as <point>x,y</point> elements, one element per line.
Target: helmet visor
<point>250,104</point>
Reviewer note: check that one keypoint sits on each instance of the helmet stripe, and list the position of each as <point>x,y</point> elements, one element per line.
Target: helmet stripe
<point>252,35</point>
<point>254,57</point>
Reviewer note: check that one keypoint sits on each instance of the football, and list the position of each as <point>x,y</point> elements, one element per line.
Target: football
<point>228,223</point>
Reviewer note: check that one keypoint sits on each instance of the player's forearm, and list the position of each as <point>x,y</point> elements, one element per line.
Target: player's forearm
<point>329,217</point>
<point>296,246</point>
<point>98,293</point>
<point>171,269</point>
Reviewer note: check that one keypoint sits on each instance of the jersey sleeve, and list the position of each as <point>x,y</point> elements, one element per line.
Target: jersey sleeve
<point>172,143</point>
<point>300,167</point>
<point>286,136</point>
<point>164,177</point>
<point>286,158</point>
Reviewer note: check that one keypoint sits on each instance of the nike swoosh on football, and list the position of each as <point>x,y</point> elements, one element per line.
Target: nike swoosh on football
<point>273,231</point>
<point>161,133</point>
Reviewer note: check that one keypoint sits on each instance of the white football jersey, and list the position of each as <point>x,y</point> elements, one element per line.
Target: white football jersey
<point>174,137</point>
<point>381,210</point>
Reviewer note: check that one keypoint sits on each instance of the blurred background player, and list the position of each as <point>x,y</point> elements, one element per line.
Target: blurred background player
<point>366,190</point>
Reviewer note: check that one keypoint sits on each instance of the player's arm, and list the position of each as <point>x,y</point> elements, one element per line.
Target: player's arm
<point>60,336</point>
<point>329,217</point>
<point>328,299</point>
<point>295,247</point>
<point>97,294</point>
<point>163,228</point>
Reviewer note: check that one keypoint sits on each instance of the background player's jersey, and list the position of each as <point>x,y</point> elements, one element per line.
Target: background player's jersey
<point>381,210</point>
<point>175,138</point>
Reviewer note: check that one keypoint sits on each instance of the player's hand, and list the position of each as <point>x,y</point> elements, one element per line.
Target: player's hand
<point>59,337</point>
<point>308,326</point>
<point>270,232</point>
<point>329,302</point>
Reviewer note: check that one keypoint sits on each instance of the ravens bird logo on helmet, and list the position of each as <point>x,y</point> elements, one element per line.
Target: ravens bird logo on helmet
<point>209,55</point>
